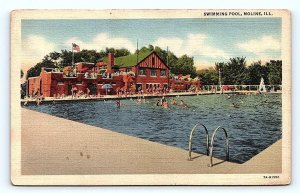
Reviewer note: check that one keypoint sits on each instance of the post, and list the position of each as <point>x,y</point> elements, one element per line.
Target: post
<point>219,77</point>
<point>167,56</point>
<point>137,51</point>
<point>72,54</point>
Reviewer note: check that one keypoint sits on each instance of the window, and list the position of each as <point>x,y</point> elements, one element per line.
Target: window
<point>142,71</point>
<point>162,72</point>
<point>153,72</point>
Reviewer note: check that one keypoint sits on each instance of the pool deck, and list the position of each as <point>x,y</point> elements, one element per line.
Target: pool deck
<point>52,145</point>
<point>115,97</point>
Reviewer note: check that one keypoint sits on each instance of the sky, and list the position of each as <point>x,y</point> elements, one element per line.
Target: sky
<point>206,40</point>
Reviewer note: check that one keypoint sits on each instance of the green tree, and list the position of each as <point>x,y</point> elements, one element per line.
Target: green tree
<point>117,52</point>
<point>185,65</point>
<point>275,72</point>
<point>208,76</point>
<point>256,71</point>
<point>235,72</point>
<point>47,62</point>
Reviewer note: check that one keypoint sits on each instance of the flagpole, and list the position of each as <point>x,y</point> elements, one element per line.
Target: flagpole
<point>167,55</point>
<point>137,51</point>
<point>72,55</point>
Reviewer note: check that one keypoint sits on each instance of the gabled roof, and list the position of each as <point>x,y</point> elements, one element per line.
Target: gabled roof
<point>130,60</point>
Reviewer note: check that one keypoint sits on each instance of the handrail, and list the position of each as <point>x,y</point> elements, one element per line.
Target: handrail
<point>212,145</point>
<point>191,138</point>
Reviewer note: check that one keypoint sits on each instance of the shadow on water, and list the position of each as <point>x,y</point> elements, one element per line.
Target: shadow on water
<point>252,127</point>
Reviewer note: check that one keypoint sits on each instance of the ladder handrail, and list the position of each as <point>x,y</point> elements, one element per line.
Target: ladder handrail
<point>212,145</point>
<point>191,138</point>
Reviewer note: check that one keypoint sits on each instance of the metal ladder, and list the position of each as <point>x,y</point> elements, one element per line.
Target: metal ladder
<point>212,145</point>
<point>209,148</point>
<point>191,138</point>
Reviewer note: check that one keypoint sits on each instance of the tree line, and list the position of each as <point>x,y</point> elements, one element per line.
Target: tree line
<point>233,72</point>
<point>236,72</point>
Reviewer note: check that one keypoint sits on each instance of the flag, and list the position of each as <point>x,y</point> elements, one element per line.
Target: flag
<point>75,47</point>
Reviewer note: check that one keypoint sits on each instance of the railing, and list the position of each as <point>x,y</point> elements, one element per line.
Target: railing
<point>209,148</point>
<point>212,145</point>
<point>240,87</point>
<point>191,138</point>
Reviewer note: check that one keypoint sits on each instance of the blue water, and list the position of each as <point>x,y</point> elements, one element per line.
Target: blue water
<point>252,126</point>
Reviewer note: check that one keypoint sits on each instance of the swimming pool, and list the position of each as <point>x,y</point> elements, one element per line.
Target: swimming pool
<point>253,125</point>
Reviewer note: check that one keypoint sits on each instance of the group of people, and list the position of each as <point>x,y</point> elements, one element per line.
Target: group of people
<point>157,90</point>
<point>164,103</point>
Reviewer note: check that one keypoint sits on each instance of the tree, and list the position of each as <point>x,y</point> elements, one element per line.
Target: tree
<point>208,76</point>
<point>275,72</point>
<point>235,71</point>
<point>47,62</point>
<point>185,65</point>
<point>117,52</point>
<point>256,71</point>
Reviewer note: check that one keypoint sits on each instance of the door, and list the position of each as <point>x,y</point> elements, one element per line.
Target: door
<point>69,89</point>
<point>92,88</point>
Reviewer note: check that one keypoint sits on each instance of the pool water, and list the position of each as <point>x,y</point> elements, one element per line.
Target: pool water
<point>253,123</point>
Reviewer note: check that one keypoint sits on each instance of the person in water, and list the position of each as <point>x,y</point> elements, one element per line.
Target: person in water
<point>158,103</point>
<point>118,103</point>
<point>234,105</point>
<point>165,104</point>
<point>174,102</point>
<point>183,104</point>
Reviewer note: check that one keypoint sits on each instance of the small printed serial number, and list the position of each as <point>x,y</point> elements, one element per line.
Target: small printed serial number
<point>270,177</point>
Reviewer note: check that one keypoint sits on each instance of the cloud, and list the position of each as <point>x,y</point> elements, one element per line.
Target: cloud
<point>261,47</point>
<point>203,64</point>
<point>34,48</point>
<point>192,45</point>
<point>101,41</point>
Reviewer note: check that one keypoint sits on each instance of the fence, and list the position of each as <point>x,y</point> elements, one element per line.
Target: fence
<point>269,88</point>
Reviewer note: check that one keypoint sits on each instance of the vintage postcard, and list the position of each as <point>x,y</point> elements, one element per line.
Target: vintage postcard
<point>150,97</point>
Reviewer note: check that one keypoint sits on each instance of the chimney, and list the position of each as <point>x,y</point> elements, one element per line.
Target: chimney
<point>111,62</point>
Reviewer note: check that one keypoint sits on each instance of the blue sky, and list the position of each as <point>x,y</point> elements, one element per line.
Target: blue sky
<point>207,40</point>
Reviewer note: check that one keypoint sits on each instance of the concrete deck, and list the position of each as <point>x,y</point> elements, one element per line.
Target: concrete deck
<point>114,97</point>
<point>52,145</point>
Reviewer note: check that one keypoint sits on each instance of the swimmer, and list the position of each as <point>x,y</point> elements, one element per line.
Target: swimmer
<point>183,104</point>
<point>174,102</point>
<point>165,105</point>
<point>158,103</point>
<point>234,105</point>
<point>118,104</point>
<point>139,101</point>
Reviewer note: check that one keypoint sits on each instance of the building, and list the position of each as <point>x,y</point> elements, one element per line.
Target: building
<point>144,71</point>
<point>149,69</point>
